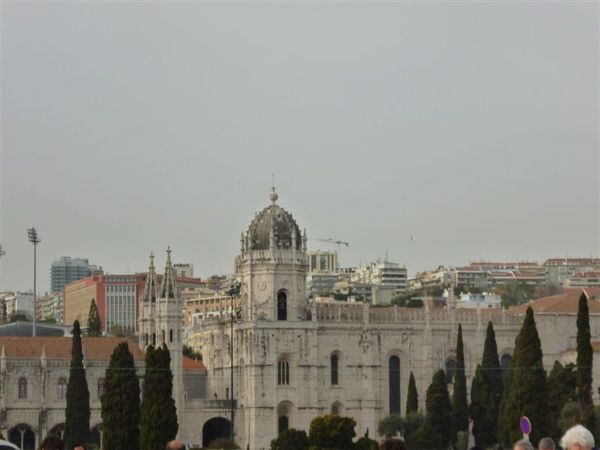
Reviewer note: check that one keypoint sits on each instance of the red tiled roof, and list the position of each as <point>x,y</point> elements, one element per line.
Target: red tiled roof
<point>565,303</point>
<point>94,348</point>
<point>189,364</point>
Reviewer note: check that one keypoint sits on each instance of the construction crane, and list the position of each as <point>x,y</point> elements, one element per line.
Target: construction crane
<point>334,242</point>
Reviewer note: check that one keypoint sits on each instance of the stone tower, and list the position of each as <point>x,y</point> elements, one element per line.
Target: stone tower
<point>161,322</point>
<point>272,266</point>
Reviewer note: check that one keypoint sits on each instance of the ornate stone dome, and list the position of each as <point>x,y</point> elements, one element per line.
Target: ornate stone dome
<point>275,221</point>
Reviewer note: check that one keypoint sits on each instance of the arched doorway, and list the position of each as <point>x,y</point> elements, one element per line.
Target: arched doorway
<point>215,428</point>
<point>22,436</point>
<point>283,423</point>
<point>281,305</point>
<point>57,430</point>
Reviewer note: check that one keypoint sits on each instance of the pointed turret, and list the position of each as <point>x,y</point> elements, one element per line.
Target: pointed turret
<point>168,289</point>
<point>150,289</point>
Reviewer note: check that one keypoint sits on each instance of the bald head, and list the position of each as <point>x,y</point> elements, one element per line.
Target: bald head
<point>175,445</point>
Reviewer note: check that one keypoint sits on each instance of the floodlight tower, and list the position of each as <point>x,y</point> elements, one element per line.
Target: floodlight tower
<point>3,304</point>
<point>35,240</point>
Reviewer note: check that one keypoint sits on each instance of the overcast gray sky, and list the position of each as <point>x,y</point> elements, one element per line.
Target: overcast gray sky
<point>472,127</point>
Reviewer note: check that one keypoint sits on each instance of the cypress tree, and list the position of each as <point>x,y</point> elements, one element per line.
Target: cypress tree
<point>585,355</point>
<point>460,418</point>
<point>93,324</point>
<point>158,416</point>
<point>121,402</point>
<point>77,415</point>
<point>526,392</point>
<point>439,408</point>
<point>562,382</point>
<point>486,393</point>
<point>412,399</point>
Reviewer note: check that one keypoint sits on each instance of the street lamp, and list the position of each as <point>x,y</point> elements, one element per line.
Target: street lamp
<point>35,240</point>
<point>3,305</point>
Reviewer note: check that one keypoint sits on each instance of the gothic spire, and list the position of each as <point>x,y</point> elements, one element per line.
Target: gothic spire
<point>167,290</point>
<point>150,290</point>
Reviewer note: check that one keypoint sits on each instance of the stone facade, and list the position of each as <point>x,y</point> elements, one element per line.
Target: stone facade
<point>295,359</point>
<point>33,384</point>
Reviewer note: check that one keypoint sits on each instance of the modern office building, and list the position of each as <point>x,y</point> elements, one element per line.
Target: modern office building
<point>66,269</point>
<point>117,299</point>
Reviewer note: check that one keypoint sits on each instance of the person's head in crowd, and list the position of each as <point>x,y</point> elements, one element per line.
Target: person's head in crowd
<point>546,444</point>
<point>523,445</point>
<point>175,445</point>
<point>393,444</point>
<point>52,442</point>
<point>577,438</point>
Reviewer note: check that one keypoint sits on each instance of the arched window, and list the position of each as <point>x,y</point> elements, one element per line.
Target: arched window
<point>283,423</point>
<point>394,384</point>
<point>61,388</point>
<point>336,409</point>
<point>450,370</point>
<point>334,369</point>
<point>154,339</point>
<point>22,391</point>
<point>99,388</point>
<point>283,372</point>
<point>163,336</point>
<point>281,305</point>
<point>145,338</point>
<point>171,335</point>
<point>505,361</point>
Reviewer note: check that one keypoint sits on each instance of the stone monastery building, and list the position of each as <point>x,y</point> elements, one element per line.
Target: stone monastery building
<point>293,358</point>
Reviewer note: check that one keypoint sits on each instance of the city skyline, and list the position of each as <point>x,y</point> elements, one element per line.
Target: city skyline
<point>429,132</point>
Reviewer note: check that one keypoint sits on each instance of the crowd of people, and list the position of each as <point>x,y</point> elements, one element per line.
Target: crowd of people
<point>576,438</point>
<point>54,442</point>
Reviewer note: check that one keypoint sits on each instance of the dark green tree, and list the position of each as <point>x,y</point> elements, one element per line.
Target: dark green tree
<point>412,398</point>
<point>585,356</point>
<point>290,440</point>
<point>158,414</point>
<point>121,402</point>
<point>331,432</point>
<point>412,422</point>
<point>366,443</point>
<point>391,425</point>
<point>562,383</point>
<point>77,415</point>
<point>526,391</point>
<point>439,408</point>
<point>486,393</point>
<point>425,437</point>
<point>460,407</point>
<point>93,324</point>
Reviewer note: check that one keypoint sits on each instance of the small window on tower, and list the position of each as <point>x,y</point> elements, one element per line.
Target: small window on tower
<point>170,335</point>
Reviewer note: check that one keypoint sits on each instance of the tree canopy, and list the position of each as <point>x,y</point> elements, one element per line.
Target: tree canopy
<point>77,414</point>
<point>526,392</point>
<point>121,402</point>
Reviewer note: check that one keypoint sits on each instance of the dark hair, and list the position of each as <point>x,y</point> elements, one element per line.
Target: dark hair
<point>393,444</point>
<point>79,445</point>
<point>52,442</point>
